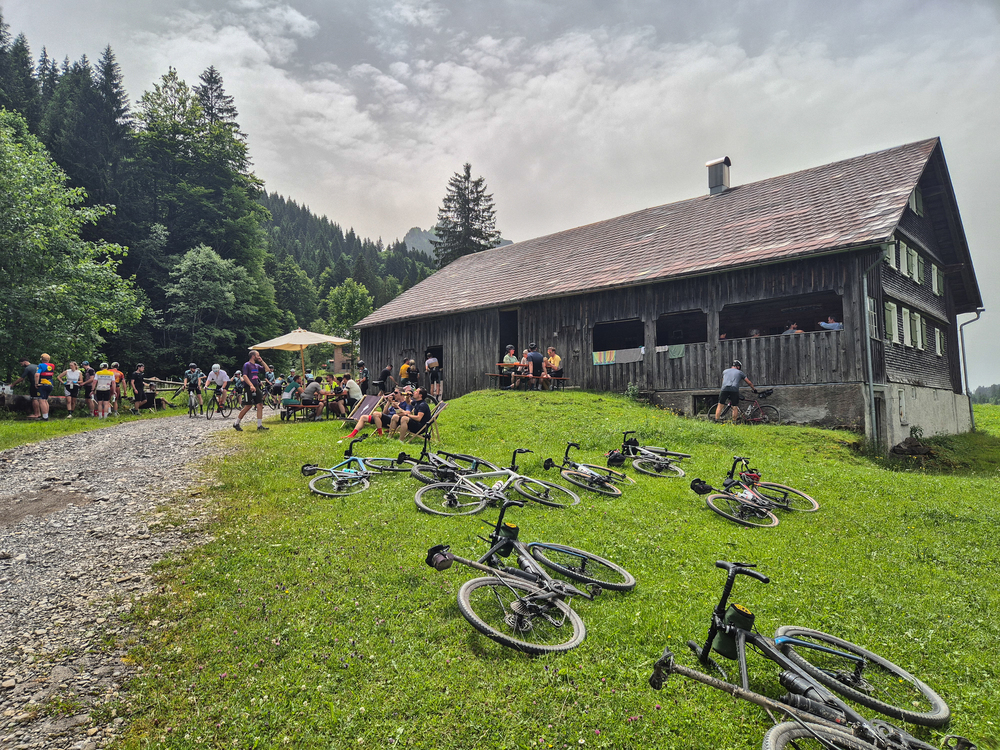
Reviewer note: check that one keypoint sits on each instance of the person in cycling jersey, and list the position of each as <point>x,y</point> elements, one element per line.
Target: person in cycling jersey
<point>254,370</point>
<point>104,389</point>
<point>220,379</point>
<point>119,388</point>
<point>194,379</point>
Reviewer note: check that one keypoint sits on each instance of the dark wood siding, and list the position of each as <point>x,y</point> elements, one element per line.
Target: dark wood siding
<point>472,346</point>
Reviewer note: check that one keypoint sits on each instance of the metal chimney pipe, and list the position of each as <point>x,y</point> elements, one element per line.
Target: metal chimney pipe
<point>718,175</point>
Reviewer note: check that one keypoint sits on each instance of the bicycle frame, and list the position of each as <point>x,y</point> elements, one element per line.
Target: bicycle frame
<point>568,463</point>
<point>441,558</point>
<point>810,703</point>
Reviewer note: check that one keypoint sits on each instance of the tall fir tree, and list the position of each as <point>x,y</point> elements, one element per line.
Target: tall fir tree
<point>466,220</point>
<point>217,106</point>
<point>20,86</point>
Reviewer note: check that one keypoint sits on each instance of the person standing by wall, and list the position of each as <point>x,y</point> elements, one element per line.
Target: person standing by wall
<point>433,367</point>
<point>732,378</point>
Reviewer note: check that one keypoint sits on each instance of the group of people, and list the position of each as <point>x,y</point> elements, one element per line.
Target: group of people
<point>532,369</point>
<point>339,393</point>
<point>101,388</point>
<point>409,376</point>
<point>792,327</point>
<point>404,411</point>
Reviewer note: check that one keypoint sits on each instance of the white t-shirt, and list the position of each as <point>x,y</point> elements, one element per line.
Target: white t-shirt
<point>104,381</point>
<point>217,378</point>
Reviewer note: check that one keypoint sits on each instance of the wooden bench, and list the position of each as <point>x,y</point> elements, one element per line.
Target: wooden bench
<point>494,380</point>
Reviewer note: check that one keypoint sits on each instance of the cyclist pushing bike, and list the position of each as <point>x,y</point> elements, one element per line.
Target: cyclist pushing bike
<point>193,382</point>
<point>732,378</point>
<point>220,379</point>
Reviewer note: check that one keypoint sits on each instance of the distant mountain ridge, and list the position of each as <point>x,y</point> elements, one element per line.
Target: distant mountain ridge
<point>419,240</point>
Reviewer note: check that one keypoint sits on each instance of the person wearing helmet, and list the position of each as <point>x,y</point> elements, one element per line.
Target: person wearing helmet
<point>220,379</point>
<point>363,377</point>
<point>104,389</point>
<point>732,378</point>
<point>194,379</point>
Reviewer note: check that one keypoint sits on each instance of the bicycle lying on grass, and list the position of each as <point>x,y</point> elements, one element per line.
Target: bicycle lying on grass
<point>753,413</point>
<point>748,501</point>
<point>649,459</point>
<point>444,467</point>
<point>520,605</point>
<point>600,479</point>
<point>470,493</point>
<point>820,672</point>
<point>353,474</point>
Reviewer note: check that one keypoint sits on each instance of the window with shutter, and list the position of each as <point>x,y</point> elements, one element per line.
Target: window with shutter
<point>939,281</point>
<point>911,263</point>
<point>904,256</point>
<point>939,342</point>
<point>891,330</point>
<point>890,255</point>
<point>917,332</point>
<point>935,287</point>
<point>920,269</point>
<point>916,202</point>
<point>907,329</point>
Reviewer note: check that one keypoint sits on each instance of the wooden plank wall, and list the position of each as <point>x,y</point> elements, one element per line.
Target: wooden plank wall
<point>472,346</point>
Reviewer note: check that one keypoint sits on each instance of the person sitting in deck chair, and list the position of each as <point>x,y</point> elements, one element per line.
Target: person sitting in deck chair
<point>416,420</point>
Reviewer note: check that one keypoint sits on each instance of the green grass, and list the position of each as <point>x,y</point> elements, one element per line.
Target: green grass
<point>313,622</point>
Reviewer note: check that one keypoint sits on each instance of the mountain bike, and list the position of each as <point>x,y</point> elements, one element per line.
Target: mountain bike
<point>470,493</point>
<point>444,467</point>
<point>215,403</point>
<point>820,672</point>
<point>192,404</point>
<point>748,501</point>
<point>600,479</point>
<point>649,459</point>
<point>353,474</point>
<point>753,413</point>
<point>519,604</point>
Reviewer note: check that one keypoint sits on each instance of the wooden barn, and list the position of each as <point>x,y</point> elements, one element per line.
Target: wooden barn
<point>667,297</point>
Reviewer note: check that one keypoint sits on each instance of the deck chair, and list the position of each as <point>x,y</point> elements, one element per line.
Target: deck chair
<point>364,407</point>
<point>431,425</point>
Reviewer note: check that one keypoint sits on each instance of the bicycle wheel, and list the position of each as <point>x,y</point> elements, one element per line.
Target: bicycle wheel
<point>429,474</point>
<point>795,736</point>
<point>764,414</point>
<point>709,413</point>
<point>337,485</point>
<point>390,464</point>
<point>507,611</point>
<point>225,408</point>
<point>741,512</point>
<point>618,477</point>
<point>658,467</point>
<point>582,566</point>
<point>788,498</point>
<point>445,499</point>
<point>546,493</point>
<point>210,408</point>
<point>591,482</point>
<point>881,685</point>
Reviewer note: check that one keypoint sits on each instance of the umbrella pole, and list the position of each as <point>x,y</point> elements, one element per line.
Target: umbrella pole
<point>302,360</point>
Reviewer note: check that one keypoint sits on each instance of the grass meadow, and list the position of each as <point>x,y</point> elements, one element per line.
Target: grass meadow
<point>313,622</point>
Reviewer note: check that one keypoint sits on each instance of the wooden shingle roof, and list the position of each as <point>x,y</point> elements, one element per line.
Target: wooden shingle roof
<point>837,206</point>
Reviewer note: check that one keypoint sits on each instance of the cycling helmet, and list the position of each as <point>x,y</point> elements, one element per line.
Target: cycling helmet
<point>737,364</point>
<point>192,365</point>
<point>104,365</point>
<point>361,363</point>
<point>615,458</point>
<point>215,368</point>
<point>114,364</point>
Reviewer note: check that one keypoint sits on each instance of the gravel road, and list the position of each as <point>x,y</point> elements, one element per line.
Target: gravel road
<point>82,520</point>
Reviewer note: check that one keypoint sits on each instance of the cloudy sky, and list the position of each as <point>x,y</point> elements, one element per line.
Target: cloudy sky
<point>573,110</point>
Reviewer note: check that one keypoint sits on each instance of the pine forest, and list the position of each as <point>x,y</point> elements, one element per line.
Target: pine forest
<point>141,233</point>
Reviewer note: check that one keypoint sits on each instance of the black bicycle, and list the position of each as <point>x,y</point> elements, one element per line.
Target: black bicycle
<point>820,672</point>
<point>600,479</point>
<point>652,460</point>
<point>519,604</point>
<point>445,467</point>
<point>217,403</point>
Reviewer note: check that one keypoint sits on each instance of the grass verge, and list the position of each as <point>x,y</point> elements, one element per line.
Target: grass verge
<point>314,622</point>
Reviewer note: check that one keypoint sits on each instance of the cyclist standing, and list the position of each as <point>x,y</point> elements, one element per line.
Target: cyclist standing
<point>193,381</point>
<point>89,375</point>
<point>138,387</point>
<point>104,390</point>
<point>119,388</point>
<point>732,378</point>
<point>45,378</point>
<point>220,379</point>
<point>251,377</point>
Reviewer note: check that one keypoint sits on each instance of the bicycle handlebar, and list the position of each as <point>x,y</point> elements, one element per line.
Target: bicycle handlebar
<point>737,568</point>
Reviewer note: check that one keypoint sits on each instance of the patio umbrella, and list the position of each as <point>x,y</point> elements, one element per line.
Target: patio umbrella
<point>298,340</point>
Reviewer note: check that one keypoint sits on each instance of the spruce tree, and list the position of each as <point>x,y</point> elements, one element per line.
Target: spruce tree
<point>466,220</point>
<point>217,106</point>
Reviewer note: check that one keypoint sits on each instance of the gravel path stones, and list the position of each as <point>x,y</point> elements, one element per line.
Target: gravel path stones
<point>82,520</point>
